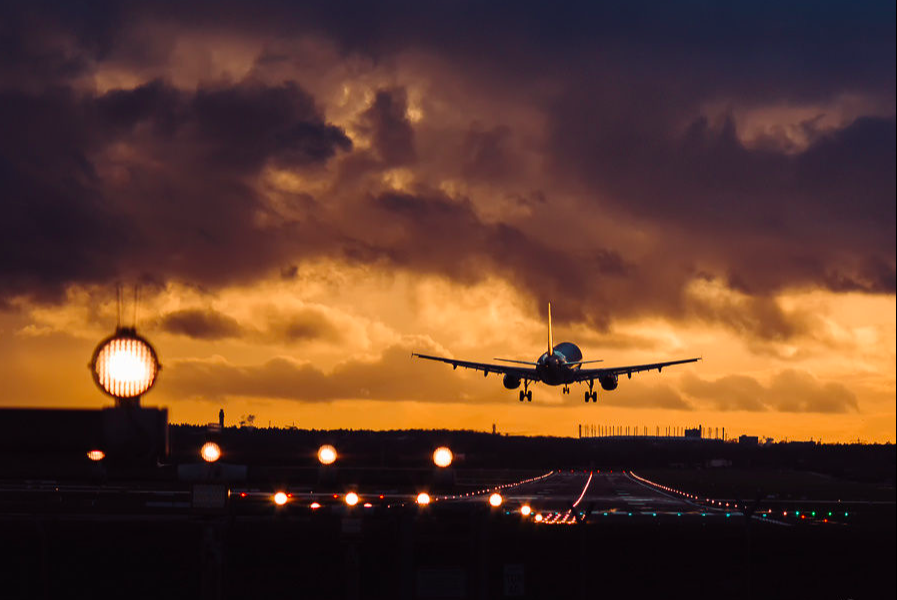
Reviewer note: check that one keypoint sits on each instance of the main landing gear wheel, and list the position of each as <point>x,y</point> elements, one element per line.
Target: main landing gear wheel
<point>528,394</point>
<point>594,396</point>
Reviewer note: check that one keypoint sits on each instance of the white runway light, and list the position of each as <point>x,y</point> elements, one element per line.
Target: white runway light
<point>210,452</point>
<point>327,454</point>
<point>443,457</point>
<point>495,500</point>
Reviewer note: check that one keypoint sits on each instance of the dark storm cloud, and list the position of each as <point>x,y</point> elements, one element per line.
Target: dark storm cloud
<point>788,391</point>
<point>159,180</point>
<point>177,206</point>
<point>200,324</point>
<point>387,124</point>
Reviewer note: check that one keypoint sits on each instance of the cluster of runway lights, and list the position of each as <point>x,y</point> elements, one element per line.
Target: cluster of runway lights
<point>721,505</point>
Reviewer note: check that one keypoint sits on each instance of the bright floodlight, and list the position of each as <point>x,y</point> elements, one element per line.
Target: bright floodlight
<point>495,500</point>
<point>327,454</point>
<point>539,518</point>
<point>351,498</point>
<point>96,455</point>
<point>443,457</point>
<point>280,498</point>
<point>125,365</point>
<point>423,498</point>
<point>315,505</point>
<point>210,452</point>
<point>525,510</point>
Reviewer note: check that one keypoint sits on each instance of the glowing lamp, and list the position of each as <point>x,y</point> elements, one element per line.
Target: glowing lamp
<point>443,457</point>
<point>539,518</point>
<point>327,454</point>
<point>495,500</point>
<point>210,452</point>
<point>525,510</point>
<point>423,498</point>
<point>125,365</point>
<point>280,498</point>
<point>315,505</point>
<point>351,498</point>
<point>96,455</point>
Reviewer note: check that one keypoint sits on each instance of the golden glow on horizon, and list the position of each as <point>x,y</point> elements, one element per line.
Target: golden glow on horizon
<point>854,347</point>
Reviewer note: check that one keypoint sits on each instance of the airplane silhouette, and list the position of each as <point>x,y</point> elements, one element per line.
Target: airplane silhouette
<point>560,365</point>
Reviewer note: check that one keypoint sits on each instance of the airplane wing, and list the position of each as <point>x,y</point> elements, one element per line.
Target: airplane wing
<point>486,368</point>
<point>587,374</point>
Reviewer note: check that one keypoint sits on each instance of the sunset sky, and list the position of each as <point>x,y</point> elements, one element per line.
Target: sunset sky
<point>307,194</point>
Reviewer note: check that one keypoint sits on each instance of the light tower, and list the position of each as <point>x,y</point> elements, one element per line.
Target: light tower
<point>125,366</point>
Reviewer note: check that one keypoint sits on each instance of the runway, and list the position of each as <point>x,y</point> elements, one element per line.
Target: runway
<point>563,497</point>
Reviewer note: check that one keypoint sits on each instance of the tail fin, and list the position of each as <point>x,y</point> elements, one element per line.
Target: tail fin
<point>550,343</point>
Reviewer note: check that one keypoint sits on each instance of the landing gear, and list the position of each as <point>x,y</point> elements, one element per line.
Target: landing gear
<point>590,395</point>
<point>566,389</point>
<point>525,393</point>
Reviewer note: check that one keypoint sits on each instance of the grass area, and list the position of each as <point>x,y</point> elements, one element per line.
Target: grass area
<point>776,483</point>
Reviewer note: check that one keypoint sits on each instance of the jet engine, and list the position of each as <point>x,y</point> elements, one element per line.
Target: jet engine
<point>608,382</point>
<point>510,381</point>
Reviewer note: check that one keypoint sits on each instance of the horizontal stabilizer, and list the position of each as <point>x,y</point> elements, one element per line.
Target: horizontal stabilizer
<point>584,362</point>
<point>519,362</point>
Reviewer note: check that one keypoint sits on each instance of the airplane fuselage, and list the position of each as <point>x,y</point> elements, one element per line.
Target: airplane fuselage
<point>553,368</point>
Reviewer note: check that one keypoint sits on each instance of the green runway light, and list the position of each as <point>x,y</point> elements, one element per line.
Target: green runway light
<point>678,514</point>
<point>829,513</point>
<point>653,514</point>
<point>630,514</point>
<point>728,515</point>
<point>605,514</point>
<point>797,513</point>
<point>764,515</point>
<point>845,514</point>
<point>703,515</point>
<point>813,514</point>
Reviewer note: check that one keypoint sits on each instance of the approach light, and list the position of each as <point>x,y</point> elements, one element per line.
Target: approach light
<point>280,498</point>
<point>423,498</point>
<point>495,500</point>
<point>315,505</point>
<point>539,518</point>
<point>351,498</point>
<point>96,455</point>
<point>210,452</point>
<point>442,457</point>
<point>526,510</point>
<point>327,454</point>
<point>125,365</point>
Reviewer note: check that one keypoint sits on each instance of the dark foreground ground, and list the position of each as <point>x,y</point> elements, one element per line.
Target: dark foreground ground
<point>118,529</point>
<point>474,553</point>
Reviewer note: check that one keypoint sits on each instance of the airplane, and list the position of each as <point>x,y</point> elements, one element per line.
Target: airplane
<point>560,365</point>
